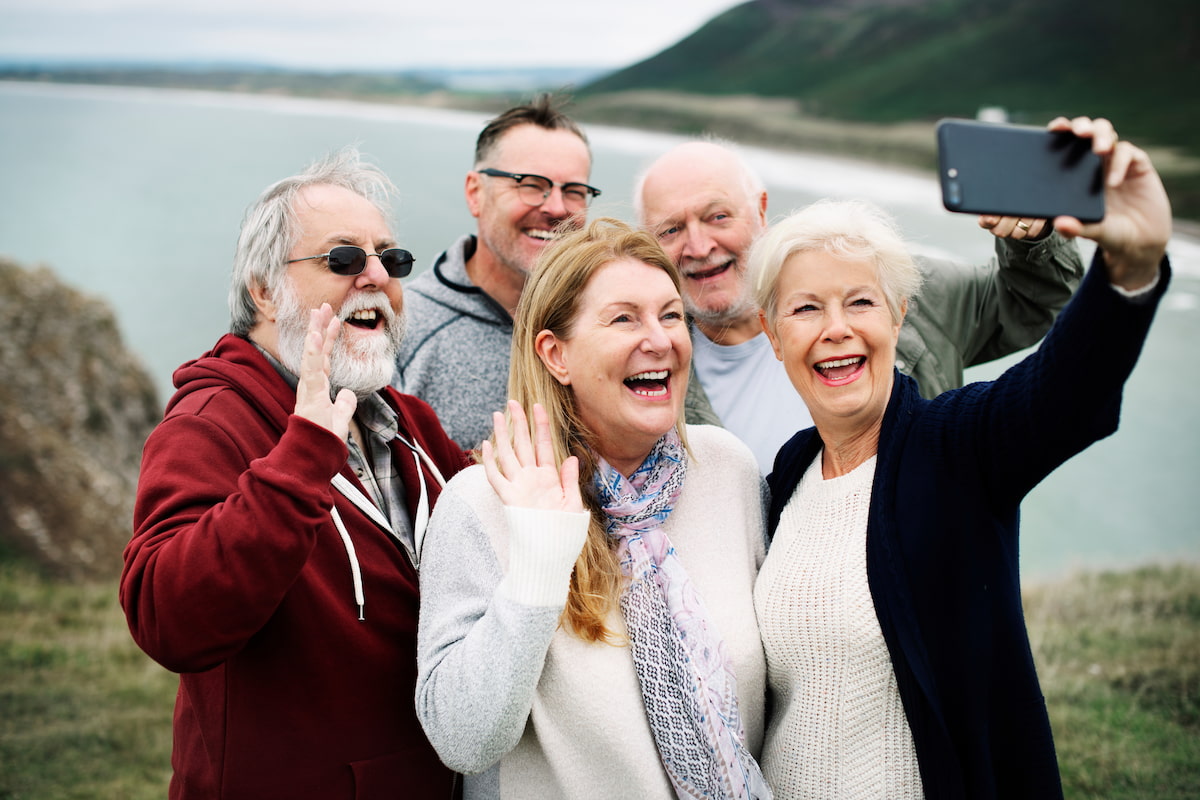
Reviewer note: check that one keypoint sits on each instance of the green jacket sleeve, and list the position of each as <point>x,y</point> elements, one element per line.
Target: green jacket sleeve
<point>697,408</point>
<point>967,315</point>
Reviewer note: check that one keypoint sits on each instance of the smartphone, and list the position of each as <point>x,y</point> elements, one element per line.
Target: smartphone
<point>1018,171</point>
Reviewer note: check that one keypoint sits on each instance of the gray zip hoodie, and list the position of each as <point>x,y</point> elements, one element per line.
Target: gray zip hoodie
<point>458,347</point>
<point>455,354</point>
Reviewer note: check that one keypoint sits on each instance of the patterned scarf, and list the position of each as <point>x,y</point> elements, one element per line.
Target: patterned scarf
<point>687,679</point>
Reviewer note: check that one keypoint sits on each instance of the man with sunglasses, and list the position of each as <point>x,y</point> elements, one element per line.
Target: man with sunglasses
<point>529,178</point>
<point>280,510</point>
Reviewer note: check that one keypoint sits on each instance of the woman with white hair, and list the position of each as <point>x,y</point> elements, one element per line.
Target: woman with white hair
<point>889,603</point>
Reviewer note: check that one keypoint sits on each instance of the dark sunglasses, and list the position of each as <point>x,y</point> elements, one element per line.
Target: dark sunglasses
<point>349,259</point>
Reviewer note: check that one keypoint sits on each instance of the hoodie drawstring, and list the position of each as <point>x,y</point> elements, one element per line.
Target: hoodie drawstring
<point>371,510</point>
<point>355,568</point>
<point>422,521</point>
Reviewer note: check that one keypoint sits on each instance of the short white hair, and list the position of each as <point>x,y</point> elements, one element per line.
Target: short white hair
<point>851,229</point>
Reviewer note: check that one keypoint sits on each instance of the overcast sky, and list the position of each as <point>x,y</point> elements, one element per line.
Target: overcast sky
<point>351,34</point>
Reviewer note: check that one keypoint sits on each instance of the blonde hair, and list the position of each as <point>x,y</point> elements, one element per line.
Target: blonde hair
<point>550,302</point>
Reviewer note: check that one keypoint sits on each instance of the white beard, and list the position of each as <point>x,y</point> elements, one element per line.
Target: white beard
<point>364,366</point>
<point>734,312</point>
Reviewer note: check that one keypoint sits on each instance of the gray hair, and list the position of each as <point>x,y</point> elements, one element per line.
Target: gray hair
<point>850,229</point>
<point>270,228</point>
<point>752,184</point>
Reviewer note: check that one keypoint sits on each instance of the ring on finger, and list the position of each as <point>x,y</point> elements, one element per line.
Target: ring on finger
<point>1023,225</point>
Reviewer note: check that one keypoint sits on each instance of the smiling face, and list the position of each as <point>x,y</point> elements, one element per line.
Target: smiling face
<point>698,201</point>
<point>626,359</point>
<point>512,233</point>
<point>832,330</point>
<point>369,304</point>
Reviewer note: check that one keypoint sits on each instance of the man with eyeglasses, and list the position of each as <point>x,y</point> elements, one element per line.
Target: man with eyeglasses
<point>529,179</point>
<point>706,205</point>
<point>280,510</point>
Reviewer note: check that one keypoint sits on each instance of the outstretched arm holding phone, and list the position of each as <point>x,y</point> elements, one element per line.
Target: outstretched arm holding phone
<point>1136,227</point>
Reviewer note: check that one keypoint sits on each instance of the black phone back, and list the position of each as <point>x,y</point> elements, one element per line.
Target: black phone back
<point>1018,171</point>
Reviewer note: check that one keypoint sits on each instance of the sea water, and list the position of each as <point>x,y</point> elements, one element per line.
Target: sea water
<point>136,195</point>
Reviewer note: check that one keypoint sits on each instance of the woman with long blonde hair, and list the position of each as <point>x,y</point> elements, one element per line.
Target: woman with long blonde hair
<point>587,625</point>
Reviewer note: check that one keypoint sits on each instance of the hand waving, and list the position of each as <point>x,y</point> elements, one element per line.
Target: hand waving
<point>523,473</point>
<point>312,391</point>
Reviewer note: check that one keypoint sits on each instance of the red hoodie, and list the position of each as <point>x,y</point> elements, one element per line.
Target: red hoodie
<point>237,578</point>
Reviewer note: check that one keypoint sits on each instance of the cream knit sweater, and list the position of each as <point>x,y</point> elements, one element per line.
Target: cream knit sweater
<point>838,728</point>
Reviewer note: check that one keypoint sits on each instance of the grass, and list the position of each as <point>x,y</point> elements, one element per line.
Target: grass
<point>1119,660</point>
<point>84,714</point>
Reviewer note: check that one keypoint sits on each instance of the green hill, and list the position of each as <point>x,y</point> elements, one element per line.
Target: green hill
<point>884,61</point>
<point>861,78</point>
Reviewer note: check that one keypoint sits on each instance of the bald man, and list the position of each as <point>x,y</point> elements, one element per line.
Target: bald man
<point>706,205</point>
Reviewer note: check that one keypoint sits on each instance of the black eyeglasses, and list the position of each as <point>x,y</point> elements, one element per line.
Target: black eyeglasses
<point>349,259</point>
<point>534,189</point>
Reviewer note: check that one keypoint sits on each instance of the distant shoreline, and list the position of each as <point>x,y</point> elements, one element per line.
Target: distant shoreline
<point>105,166</point>
<point>745,120</point>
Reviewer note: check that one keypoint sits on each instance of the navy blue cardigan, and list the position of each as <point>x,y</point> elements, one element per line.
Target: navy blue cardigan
<point>942,538</point>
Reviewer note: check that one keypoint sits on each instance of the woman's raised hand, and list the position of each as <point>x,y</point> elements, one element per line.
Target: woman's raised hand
<point>1136,228</point>
<point>522,472</point>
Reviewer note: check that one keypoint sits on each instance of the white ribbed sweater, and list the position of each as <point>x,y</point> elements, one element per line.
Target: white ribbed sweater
<point>838,727</point>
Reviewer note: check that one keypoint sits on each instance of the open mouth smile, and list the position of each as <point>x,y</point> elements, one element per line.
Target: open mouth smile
<point>365,318</point>
<point>712,272</point>
<point>652,383</point>
<point>840,370</point>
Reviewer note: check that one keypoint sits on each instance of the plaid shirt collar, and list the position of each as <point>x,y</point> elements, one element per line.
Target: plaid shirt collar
<point>378,424</point>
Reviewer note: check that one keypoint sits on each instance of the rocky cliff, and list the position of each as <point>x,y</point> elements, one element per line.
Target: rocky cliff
<point>75,408</point>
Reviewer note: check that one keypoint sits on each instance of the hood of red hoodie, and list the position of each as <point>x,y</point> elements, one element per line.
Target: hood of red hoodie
<point>236,364</point>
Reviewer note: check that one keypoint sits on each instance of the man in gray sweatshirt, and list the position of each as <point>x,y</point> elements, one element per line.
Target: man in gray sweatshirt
<point>532,164</point>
